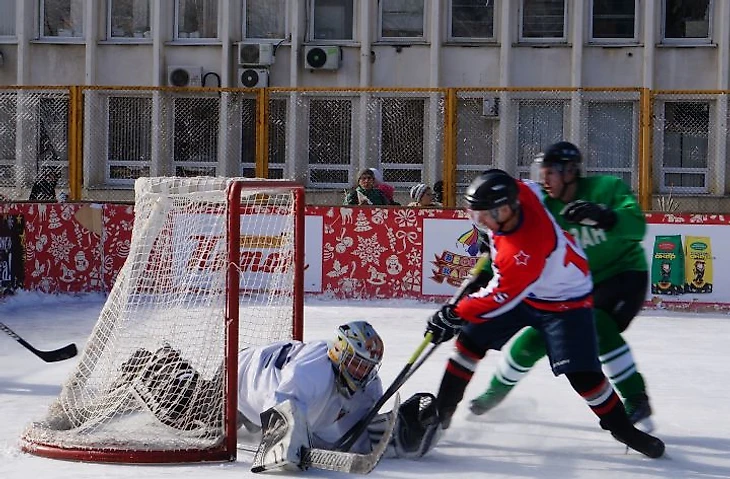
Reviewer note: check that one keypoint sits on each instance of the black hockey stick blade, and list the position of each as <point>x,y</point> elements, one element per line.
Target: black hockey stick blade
<point>60,354</point>
<point>350,437</point>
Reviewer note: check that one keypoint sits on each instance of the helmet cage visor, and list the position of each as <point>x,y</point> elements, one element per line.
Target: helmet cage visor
<point>354,370</point>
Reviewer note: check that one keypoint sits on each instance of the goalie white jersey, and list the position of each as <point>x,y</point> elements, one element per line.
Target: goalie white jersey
<point>302,372</point>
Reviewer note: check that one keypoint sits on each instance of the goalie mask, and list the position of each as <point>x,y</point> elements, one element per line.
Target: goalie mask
<point>356,355</point>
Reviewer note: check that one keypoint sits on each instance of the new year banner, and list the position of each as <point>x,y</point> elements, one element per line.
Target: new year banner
<point>698,264</point>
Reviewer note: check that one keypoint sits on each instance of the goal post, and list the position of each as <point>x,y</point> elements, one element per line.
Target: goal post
<point>214,265</point>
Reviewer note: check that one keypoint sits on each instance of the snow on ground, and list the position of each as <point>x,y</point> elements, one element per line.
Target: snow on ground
<point>543,430</point>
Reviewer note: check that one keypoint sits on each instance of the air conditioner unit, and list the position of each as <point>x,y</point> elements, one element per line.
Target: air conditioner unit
<point>184,76</point>
<point>255,53</point>
<point>253,77</point>
<point>490,107</point>
<point>322,57</point>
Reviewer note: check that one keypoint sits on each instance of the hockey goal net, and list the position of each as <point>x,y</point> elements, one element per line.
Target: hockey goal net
<point>215,265</point>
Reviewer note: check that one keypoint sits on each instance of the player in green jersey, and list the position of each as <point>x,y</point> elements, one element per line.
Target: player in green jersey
<point>604,217</point>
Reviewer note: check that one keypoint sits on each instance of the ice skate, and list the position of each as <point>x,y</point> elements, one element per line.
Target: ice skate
<point>489,399</point>
<point>640,441</point>
<point>639,412</point>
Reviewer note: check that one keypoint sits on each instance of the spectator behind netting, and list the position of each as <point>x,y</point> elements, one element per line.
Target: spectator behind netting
<point>44,187</point>
<point>365,192</point>
<point>388,190</point>
<point>422,196</point>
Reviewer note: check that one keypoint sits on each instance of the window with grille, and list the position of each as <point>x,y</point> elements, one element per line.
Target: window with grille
<point>129,142</point>
<point>539,125</point>
<point>471,20</point>
<point>277,138</point>
<point>543,20</point>
<point>401,19</point>
<point>196,19</point>
<point>611,142</point>
<point>196,125</point>
<point>475,141</point>
<point>129,19</point>
<point>265,19</point>
<point>330,142</point>
<point>614,20</point>
<point>402,150</point>
<point>687,21</point>
<point>686,146</point>
<point>62,18</point>
<point>332,20</point>
<point>8,117</point>
<point>7,19</point>
<point>52,138</point>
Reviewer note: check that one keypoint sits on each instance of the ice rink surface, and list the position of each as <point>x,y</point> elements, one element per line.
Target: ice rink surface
<point>544,430</point>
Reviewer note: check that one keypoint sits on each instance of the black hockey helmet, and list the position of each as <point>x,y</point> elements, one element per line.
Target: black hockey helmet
<point>561,153</point>
<point>490,190</point>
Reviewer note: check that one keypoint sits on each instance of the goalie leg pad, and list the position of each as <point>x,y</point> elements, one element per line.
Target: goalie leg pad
<point>285,435</point>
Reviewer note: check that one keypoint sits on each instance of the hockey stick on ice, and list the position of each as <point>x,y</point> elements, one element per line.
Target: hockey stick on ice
<point>65,352</point>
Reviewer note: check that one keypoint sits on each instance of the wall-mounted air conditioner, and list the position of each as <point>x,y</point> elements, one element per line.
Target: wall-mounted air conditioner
<point>490,107</point>
<point>184,76</point>
<point>322,57</point>
<point>253,77</point>
<point>255,53</point>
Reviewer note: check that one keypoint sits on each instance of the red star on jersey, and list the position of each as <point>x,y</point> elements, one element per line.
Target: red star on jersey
<point>521,258</point>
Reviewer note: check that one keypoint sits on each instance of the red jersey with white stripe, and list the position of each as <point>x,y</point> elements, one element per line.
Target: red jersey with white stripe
<point>537,263</point>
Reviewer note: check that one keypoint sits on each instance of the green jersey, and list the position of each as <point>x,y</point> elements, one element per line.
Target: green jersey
<point>619,249</point>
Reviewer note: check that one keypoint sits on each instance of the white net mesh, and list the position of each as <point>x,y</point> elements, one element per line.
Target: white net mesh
<point>151,375</point>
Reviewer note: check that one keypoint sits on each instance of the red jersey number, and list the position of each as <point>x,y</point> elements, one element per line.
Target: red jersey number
<point>572,257</point>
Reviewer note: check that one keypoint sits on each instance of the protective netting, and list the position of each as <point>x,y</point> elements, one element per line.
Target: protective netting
<point>151,375</point>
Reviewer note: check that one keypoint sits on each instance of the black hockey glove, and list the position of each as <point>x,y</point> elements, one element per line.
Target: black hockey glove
<point>589,214</point>
<point>444,324</point>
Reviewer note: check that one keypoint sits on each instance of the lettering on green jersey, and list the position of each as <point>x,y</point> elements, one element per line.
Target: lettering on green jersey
<point>587,236</point>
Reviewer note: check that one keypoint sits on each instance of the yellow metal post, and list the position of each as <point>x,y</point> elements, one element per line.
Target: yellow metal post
<point>262,133</point>
<point>75,142</point>
<point>449,173</point>
<point>645,151</point>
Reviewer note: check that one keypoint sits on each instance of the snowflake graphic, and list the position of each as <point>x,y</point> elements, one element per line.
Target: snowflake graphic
<point>413,257</point>
<point>369,250</point>
<point>60,247</point>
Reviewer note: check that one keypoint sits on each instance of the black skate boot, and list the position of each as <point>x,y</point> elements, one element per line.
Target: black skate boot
<point>639,412</point>
<point>640,441</point>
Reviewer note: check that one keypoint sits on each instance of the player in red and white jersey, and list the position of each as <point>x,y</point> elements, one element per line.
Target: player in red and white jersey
<point>541,279</point>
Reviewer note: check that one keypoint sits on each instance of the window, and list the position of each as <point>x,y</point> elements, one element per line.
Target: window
<point>265,19</point>
<point>277,138</point>
<point>687,20</point>
<point>332,20</point>
<point>7,19</point>
<point>195,150</point>
<point>613,20</point>
<point>471,19</point>
<point>62,18</point>
<point>610,149</point>
<point>475,137</point>
<point>543,20</point>
<point>129,19</point>
<point>330,141</point>
<point>540,124</point>
<point>401,140</point>
<point>196,19</point>
<point>686,146</point>
<point>8,117</point>
<point>129,143</point>
<point>401,18</point>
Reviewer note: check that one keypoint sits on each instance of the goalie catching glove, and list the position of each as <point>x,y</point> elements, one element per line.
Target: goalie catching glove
<point>444,324</point>
<point>415,429</point>
<point>589,214</point>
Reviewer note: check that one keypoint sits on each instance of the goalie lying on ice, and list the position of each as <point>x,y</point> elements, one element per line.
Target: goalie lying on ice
<point>303,394</point>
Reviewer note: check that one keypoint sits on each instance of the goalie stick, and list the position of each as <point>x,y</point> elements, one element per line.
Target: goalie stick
<point>340,461</point>
<point>60,354</point>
